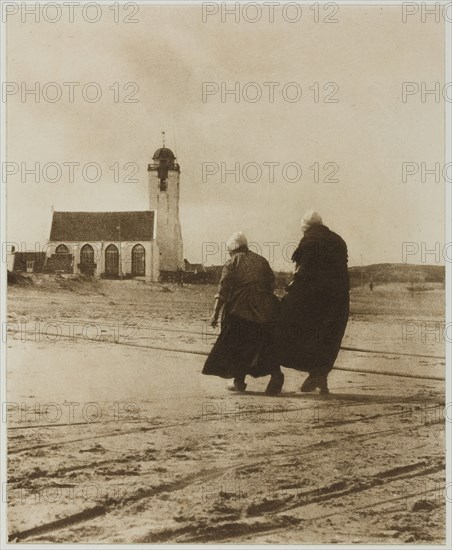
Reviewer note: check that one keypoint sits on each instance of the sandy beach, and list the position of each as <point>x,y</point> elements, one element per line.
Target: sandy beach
<point>111,440</point>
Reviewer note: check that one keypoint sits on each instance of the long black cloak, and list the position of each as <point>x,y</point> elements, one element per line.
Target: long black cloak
<point>314,313</point>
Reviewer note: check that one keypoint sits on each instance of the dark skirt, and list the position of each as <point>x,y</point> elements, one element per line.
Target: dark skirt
<point>311,327</point>
<point>241,349</point>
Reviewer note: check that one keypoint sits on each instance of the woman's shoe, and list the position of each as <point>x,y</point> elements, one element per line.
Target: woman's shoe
<point>310,384</point>
<point>237,385</point>
<point>322,384</point>
<point>313,382</point>
<point>275,385</point>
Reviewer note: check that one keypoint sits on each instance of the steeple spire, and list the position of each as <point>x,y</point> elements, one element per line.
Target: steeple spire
<point>163,137</point>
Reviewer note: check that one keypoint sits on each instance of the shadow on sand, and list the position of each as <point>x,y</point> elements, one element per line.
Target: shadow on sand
<point>351,397</point>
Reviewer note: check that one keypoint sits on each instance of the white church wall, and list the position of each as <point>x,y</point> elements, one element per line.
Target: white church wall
<point>152,266</point>
<point>10,261</point>
<point>125,256</point>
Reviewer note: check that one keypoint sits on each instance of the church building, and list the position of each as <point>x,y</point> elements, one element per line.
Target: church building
<point>144,244</point>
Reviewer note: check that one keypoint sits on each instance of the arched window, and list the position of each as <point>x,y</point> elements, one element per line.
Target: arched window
<point>87,255</point>
<point>138,261</point>
<point>112,260</point>
<point>87,260</point>
<point>62,249</point>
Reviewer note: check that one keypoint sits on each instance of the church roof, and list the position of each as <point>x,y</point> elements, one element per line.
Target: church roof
<point>102,226</point>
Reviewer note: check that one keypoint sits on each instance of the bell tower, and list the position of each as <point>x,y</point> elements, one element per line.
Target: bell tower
<point>164,181</point>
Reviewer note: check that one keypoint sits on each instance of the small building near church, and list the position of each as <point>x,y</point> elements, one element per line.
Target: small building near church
<point>28,262</point>
<point>195,273</point>
<point>194,268</point>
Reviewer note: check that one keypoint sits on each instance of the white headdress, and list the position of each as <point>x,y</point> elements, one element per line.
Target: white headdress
<point>236,240</point>
<point>310,218</point>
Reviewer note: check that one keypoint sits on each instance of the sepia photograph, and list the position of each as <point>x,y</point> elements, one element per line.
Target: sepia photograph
<point>226,234</point>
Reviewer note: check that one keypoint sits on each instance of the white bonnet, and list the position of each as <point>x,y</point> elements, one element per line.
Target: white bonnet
<point>310,218</point>
<point>236,240</point>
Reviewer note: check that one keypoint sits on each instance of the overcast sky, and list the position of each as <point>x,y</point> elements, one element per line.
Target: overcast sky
<point>169,53</point>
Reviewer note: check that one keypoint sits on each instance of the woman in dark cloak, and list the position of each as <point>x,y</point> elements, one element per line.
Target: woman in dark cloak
<point>250,308</point>
<point>314,313</point>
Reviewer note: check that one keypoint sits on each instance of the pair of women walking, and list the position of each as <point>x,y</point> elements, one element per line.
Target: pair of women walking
<point>303,331</point>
